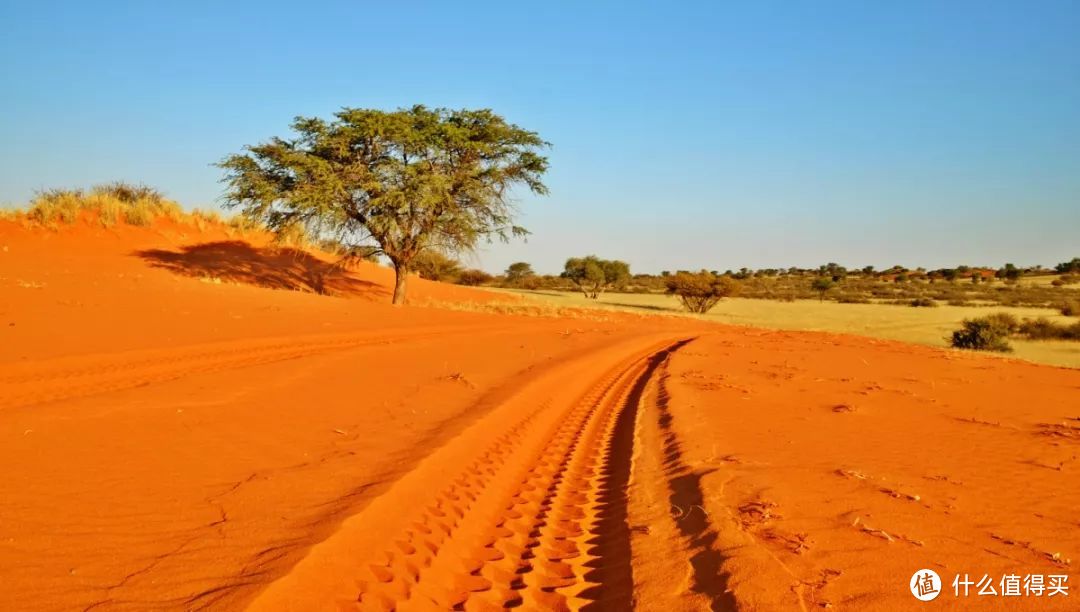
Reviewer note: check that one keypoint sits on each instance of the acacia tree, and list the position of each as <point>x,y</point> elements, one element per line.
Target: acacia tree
<point>822,286</point>
<point>401,181</point>
<point>593,275</point>
<point>701,291</point>
<point>518,272</point>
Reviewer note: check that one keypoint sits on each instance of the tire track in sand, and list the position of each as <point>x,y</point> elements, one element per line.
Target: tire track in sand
<point>536,519</point>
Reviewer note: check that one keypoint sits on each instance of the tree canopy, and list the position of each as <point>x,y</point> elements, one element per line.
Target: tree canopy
<point>519,271</point>
<point>593,275</point>
<point>403,181</point>
<point>700,291</point>
<point>1067,267</point>
<point>823,284</point>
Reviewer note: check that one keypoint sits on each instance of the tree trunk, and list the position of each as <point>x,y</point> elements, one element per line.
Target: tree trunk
<point>401,277</point>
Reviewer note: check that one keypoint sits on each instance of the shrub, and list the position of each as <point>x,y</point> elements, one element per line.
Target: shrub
<point>433,265</point>
<point>822,285</point>
<point>1044,329</point>
<point>1068,266</point>
<point>923,303</point>
<point>987,333</point>
<point>1070,309</point>
<point>853,299</point>
<point>474,278</point>
<point>700,292</point>
<point>959,303</point>
<point>128,193</point>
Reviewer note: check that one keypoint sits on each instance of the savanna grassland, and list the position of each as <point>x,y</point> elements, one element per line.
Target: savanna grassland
<point>930,326</point>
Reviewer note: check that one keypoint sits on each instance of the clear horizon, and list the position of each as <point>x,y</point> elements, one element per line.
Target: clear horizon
<point>763,135</point>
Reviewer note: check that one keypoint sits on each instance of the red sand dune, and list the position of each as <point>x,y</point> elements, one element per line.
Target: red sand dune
<point>186,424</point>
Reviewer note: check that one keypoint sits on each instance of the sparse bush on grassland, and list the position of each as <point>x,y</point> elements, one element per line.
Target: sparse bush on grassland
<point>701,291</point>
<point>822,285</point>
<point>474,278</point>
<point>1044,329</point>
<point>989,333</point>
<point>436,266</point>
<point>923,303</point>
<point>1070,308</point>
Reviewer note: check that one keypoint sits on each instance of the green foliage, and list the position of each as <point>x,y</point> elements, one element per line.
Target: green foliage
<point>406,180</point>
<point>989,333</point>
<point>701,291</point>
<point>1072,266</point>
<point>822,285</point>
<point>474,278</point>
<point>436,266</point>
<point>833,271</point>
<point>592,275</point>
<point>518,273</point>
<point>1010,272</point>
<point>1044,329</point>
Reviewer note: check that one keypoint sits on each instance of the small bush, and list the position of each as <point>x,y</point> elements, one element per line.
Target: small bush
<point>989,333</point>
<point>923,303</point>
<point>474,278</point>
<point>852,299</point>
<point>1070,309</point>
<point>958,303</point>
<point>128,193</point>
<point>436,266</point>
<point>1044,329</point>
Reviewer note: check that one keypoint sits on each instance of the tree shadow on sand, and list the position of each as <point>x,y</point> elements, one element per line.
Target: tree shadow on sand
<point>236,261</point>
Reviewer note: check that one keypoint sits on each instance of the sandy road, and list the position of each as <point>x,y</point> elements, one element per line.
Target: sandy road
<point>527,508</point>
<point>193,477</point>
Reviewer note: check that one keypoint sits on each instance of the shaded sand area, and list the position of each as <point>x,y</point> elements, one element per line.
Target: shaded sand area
<point>179,433</point>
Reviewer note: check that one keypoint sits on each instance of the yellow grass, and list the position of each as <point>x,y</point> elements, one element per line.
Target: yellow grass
<point>56,207</point>
<point>118,203</point>
<point>930,326</point>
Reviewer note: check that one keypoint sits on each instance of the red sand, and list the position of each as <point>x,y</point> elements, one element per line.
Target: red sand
<point>176,435</point>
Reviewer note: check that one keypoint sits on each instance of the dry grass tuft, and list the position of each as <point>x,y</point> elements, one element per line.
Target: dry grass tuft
<point>116,203</point>
<point>110,204</point>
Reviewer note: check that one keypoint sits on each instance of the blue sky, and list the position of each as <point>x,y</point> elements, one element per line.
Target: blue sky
<point>685,135</point>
